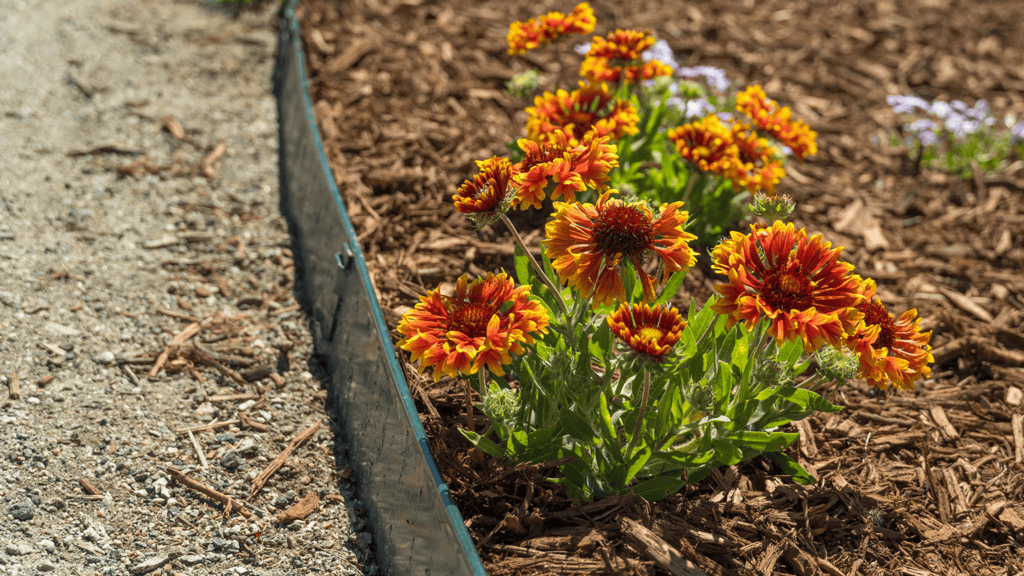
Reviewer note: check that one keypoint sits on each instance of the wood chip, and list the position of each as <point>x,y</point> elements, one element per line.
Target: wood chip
<point>665,556</point>
<point>206,165</point>
<point>88,487</point>
<point>171,125</point>
<point>303,508</point>
<point>966,304</point>
<point>13,386</point>
<point>1018,437</point>
<point>46,379</point>
<point>1013,396</point>
<point>939,416</point>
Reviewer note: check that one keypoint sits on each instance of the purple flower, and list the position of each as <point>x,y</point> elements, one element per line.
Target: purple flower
<point>979,111</point>
<point>725,116</point>
<point>928,138</point>
<point>1017,132</point>
<point>960,126</point>
<point>959,106</point>
<point>906,104</point>
<point>582,49</point>
<point>715,77</point>
<point>940,109</point>
<point>921,125</point>
<point>661,52</point>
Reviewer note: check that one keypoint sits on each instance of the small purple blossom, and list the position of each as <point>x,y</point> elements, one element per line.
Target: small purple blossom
<point>959,106</point>
<point>725,116</point>
<point>661,52</point>
<point>715,77</point>
<point>906,104</point>
<point>928,138</point>
<point>582,49</point>
<point>1017,132</point>
<point>979,111</point>
<point>940,109</point>
<point>921,125</point>
<point>961,126</point>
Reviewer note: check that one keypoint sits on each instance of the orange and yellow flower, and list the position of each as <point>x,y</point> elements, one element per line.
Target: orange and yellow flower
<point>490,192</point>
<point>890,349</point>
<point>590,109</point>
<point>759,169</point>
<point>602,70</point>
<point>797,284</point>
<point>485,322</point>
<point>619,55</point>
<point>523,36</point>
<point>649,331</point>
<point>768,116</point>
<point>709,145</point>
<point>587,243</point>
<point>571,169</point>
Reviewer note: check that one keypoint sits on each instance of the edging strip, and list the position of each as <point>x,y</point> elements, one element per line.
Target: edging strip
<point>417,529</point>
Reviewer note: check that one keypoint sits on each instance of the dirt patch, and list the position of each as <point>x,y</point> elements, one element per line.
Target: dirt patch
<point>408,96</point>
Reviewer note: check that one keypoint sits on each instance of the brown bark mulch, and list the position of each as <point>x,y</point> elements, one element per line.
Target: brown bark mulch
<point>408,94</point>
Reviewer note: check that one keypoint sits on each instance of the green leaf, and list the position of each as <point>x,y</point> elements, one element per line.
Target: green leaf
<point>675,282</point>
<point>802,397</point>
<point>792,468</point>
<point>639,459</point>
<point>764,441</point>
<point>657,488</point>
<point>606,420</point>
<point>483,443</point>
<point>524,271</point>
<point>726,452</point>
<point>576,426</point>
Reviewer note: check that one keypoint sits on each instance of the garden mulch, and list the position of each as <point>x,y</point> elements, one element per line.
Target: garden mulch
<point>408,94</point>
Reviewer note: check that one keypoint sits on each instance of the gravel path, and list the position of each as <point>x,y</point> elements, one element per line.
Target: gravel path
<point>139,216</point>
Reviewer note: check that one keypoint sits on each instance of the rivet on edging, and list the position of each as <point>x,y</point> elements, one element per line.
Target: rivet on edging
<point>344,257</point>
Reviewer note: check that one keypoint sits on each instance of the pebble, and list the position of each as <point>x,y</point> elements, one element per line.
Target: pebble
<point>190,559</point>
<point>48,545</point>
<point>23,510</point>
<point>46,566</point>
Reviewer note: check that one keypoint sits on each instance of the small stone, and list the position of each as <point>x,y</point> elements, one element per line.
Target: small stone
<point>104,358</point>
<point>23,510</point>
<point>1014,396</point>
<point>190,559</point>
<point>150,564</point>
<point>24,549</point>
<point>48,545</point>
<point>231,460</point>
<point>46,566</point>
<point>11,549</point>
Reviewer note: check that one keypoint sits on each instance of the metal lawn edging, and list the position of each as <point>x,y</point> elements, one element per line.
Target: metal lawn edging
<point>417,529</point>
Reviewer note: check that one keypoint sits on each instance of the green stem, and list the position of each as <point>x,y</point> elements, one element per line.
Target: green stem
<point>640,417</point>
<point>762,341</point>
<point>536,266</point>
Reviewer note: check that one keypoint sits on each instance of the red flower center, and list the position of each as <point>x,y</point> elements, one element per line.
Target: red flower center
<point>875,314</point>
<point>784,291</point>
<point>471,319</point>
<point>625,230</point>
<point>544,153</point>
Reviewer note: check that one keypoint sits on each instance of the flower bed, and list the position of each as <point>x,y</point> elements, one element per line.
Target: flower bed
<point>901,476</point>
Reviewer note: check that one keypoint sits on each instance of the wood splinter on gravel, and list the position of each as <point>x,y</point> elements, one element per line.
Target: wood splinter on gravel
<point>300,510</point>
<point>14,386</point>
<point>230,504</point>
<point>276,463</point>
